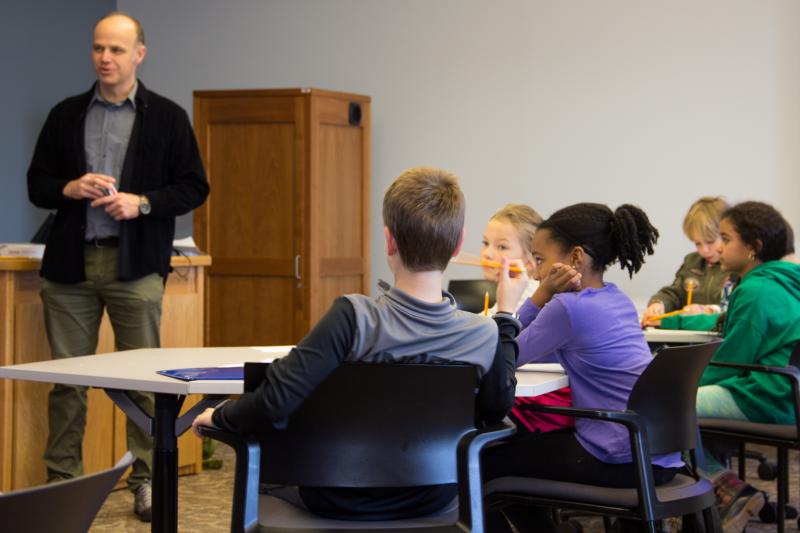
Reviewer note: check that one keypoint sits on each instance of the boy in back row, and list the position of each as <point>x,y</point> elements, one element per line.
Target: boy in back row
<point>411,322</point>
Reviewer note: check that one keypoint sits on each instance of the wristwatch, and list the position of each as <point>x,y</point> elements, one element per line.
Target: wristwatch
<point>144,205</point>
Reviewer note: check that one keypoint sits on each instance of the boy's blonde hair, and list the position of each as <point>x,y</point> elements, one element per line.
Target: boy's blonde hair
<point>424,211</point>
<point>703,218</point>
<point>525,221</point>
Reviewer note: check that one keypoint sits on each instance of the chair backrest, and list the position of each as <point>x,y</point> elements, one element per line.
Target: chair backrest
<point>67,506</point>
<point>794,359</point>
<point>375,425</point>
<point>665,395</point>
<point>469,293</point>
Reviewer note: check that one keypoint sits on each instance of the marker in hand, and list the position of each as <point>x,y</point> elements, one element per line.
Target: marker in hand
<point>107,191</point>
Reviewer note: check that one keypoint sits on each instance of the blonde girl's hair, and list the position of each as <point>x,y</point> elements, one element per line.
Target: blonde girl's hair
<point>525,221</point>
<point>703,218</point>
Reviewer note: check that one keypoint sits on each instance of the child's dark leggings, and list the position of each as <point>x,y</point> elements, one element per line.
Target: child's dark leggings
<point>556,455</point>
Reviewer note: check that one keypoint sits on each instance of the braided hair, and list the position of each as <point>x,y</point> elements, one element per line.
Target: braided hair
<point>624,235</point>
<point>757,221</point>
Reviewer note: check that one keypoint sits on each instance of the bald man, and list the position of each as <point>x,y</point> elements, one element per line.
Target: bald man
<point>118,164</point>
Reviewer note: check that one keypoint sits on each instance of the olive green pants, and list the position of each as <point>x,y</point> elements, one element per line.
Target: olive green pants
<point>72,315</point>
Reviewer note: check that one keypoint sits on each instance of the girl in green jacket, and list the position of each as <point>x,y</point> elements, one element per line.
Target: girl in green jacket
<point>762,326</point>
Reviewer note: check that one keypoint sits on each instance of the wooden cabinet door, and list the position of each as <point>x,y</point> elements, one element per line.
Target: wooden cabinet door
<point>252,224</point>
<point>340,200</point>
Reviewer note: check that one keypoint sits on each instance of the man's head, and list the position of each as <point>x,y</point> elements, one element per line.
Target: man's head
<point>423,215</point>
<point>117,49</point>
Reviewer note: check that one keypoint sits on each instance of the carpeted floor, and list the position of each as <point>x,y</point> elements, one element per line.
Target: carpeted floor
<point>205,499</point>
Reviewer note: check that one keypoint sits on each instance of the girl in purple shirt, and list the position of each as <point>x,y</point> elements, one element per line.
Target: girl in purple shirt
<point>591,328</point>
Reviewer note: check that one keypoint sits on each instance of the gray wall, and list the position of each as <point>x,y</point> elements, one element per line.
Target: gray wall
<point>46,57</point>
<point>542,101</point>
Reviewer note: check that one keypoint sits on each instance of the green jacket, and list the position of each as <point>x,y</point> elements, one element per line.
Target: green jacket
<point>710,277</point>
<point>762,326</point>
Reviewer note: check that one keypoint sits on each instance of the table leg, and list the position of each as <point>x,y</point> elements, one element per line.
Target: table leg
<point>165,427</point>
<point>165,464</point>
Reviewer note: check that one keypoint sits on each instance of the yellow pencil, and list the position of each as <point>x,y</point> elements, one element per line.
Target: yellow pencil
<point>689,296</point>
<point>486,304</point>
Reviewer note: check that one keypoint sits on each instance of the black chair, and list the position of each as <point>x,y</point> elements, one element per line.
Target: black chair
<point>470,293</point>
<point>367,425</point>
<point>783,437</point>
<point>661,418</point>
<point>67,506</point>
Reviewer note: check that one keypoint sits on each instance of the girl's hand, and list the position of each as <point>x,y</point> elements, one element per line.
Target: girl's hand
<point>560,278</point>
<point>654,309</point>
<point>563,278</point>
<point>510,285</point>
<point>698,309</point>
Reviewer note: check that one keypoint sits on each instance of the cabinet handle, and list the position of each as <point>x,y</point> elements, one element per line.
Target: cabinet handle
<point>297,275</point>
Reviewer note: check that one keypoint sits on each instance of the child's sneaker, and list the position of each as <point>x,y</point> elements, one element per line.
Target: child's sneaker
<point>743,509</point>
<point>737,501</point>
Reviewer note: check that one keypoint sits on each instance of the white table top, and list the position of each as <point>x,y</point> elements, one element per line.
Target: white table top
<point>136,370</point>
<point>679,336</point>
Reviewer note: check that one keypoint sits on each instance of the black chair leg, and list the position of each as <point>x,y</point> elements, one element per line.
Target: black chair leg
<point>742,461</point>
<point>711,521</point>
<point>783,485</point>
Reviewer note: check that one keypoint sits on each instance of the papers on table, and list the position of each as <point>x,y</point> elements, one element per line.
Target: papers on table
<point>225,372</point>
<point>542,367</point>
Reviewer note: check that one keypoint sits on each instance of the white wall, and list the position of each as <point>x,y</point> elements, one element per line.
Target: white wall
<point>548,102</point>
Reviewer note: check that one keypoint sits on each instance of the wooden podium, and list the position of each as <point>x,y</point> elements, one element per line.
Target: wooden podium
<point>23,405</point>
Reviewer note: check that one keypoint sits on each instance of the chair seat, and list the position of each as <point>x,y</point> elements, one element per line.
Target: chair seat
<point>276,514</point>
<point>681,487</point>
<point>769,431</point>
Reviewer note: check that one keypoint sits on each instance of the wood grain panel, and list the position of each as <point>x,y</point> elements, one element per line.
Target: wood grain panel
<point>246,109</point>
<point>255,310</point>
<point>333,287</point>
<point>252,214</point>
<point>6,386</point>
<point>341,266</point>
<point>339,202</point>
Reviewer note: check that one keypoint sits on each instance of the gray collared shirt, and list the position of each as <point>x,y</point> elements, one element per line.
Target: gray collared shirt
<point>106,135</point>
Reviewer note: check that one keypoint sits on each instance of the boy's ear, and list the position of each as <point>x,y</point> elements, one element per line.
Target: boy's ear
<point>460,242</point>
<point>391,244</point>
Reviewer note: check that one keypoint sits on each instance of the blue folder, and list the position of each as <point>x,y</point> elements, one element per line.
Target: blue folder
<point>207,373</point>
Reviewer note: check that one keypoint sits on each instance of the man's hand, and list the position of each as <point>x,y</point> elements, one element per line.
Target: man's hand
<point>121,206</point>
<point>203,419</point>
<point>510,285</point>
<point>89,186</point>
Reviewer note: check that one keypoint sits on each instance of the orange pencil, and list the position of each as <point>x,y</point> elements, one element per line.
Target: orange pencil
<point>490,264</point>
<point>665,315</point>
<point>486,304</point>
<point>689,296</point>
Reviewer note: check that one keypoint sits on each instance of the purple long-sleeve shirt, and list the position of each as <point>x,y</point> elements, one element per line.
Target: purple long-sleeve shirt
<point>595,335</point>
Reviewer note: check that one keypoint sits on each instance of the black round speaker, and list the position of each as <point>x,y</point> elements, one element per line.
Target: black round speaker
<point>354,114</point>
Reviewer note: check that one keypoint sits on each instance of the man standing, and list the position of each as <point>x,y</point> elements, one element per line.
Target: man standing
<point>118,163</point>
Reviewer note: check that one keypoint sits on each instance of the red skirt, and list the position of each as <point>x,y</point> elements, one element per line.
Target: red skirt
<point>535,421</point>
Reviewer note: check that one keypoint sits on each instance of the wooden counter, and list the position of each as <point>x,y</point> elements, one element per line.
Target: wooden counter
<point>23,405</point>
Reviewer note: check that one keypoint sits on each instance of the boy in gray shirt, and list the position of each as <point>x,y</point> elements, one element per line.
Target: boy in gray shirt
<point>412,322</point>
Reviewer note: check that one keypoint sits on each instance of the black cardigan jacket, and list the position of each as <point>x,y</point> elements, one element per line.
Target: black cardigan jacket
<point>162,163</point>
